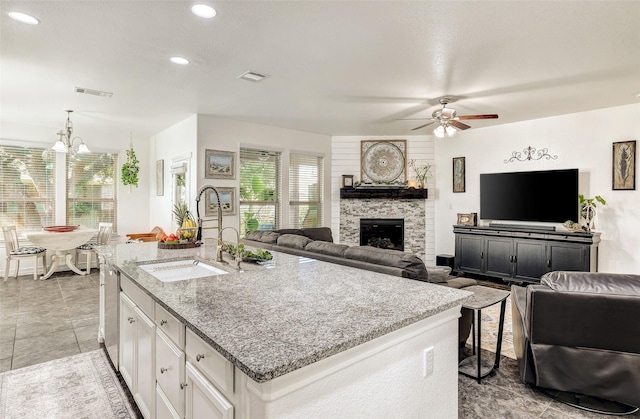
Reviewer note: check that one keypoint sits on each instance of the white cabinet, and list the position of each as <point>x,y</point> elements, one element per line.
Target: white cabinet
<point>170,364</point>
<point>203,400</point>
<point>137,348</point>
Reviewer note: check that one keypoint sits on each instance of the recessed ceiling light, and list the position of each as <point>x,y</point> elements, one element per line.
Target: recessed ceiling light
<point>252,76</point>
<point>179,60</point>
<point>23,18</point>
<point>203,10</point>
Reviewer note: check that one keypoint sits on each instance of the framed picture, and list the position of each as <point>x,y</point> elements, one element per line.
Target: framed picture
<point>624,166</point>
<point>458,174</point>
<point>347,181</point>
<point>383,161</point>
<point>160,178</point>
<point>470,219</point>
<point>219,164</point>
<point>227,201</point>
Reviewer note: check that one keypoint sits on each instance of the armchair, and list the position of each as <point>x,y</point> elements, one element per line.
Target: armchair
<point>577,332</point>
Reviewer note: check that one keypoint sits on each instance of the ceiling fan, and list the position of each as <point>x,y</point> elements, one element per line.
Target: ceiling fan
<point>448,121</point>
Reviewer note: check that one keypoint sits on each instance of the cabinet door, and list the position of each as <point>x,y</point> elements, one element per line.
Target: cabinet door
<point>127,342</point>
<point>529,259</point>
<point>145,371</point>
<point>170,371</point>
<point>164,410</point>
<point>469,253</point>
<point>203,400</point>
<point>497,255</point>
<point>567,257</point>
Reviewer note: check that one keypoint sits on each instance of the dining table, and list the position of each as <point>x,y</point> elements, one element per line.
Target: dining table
<point>62,241</point>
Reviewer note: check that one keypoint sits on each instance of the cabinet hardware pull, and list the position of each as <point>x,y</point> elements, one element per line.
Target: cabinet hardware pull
<point>163,322</point>
<point>548,263</point>
<point>163,370</point>
<point>199,357</point>
<point>183,385</point>
<point>131,320</point>
<point>481,255</point>
<point>515,259</point>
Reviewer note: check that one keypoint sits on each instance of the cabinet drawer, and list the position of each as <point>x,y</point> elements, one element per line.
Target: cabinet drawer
<point>171,326</point>
<point>214,366</point>
<point>142,300</point>
<point>170,371</point>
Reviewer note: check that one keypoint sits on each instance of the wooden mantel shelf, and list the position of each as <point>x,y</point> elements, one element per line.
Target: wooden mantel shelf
<point>382,193</point>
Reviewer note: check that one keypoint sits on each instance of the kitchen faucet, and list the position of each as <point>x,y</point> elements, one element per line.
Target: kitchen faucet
<point>199,235</point>
<point>238,255</point>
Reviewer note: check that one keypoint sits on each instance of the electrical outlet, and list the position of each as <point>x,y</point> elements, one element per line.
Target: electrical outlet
<point>428,362</point>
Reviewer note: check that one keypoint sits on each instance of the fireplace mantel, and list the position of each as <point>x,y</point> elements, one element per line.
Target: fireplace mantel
<point>383,193</point>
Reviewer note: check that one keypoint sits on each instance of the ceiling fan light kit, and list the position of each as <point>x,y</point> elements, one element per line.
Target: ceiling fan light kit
<point>448,121</point>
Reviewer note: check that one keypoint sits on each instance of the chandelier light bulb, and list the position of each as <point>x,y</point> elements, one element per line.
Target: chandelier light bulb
<point>439,131</point>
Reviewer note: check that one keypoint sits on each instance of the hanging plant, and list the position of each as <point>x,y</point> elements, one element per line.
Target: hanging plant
<point>130,169</point>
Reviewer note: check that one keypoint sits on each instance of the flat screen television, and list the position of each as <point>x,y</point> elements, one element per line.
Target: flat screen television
<point>540,196</point>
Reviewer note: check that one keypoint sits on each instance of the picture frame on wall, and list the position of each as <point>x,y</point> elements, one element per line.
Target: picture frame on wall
<point>383,161</point>
<point>227,201</point>
<point>160,178</point>
<point>459,174</point>
<point>219,164</point>
<point>624,166</point>
<point>347,181</point>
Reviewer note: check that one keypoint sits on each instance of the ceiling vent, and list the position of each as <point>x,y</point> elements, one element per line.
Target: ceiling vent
<point>92,92</point>
<point>252,76</point>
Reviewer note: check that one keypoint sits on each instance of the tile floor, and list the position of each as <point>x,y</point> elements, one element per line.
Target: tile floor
<point>45,320</point>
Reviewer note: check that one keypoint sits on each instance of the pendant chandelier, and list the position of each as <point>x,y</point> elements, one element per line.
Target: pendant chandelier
<point>67,144</point>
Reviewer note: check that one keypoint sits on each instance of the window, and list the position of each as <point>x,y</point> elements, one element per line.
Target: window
<point>27,187</point>
<point>91,191</point>
<point>260,190</point>
<point>305,190</point>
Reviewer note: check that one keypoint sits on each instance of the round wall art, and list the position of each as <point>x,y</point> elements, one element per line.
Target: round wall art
<point>383,161</point>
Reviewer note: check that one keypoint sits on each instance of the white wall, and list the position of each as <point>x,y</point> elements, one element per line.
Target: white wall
<point>345,159</point>
<point>582,140</point>
<point>176,142</point>
<point>216,133</point>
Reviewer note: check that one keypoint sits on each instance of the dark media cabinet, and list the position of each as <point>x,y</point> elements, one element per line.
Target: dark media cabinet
<point>522,255</point>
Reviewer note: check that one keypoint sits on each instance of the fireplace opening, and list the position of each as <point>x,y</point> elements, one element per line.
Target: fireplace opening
<point>385,233</point>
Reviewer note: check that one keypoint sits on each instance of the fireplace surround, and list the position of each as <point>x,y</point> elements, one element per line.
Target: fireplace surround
<point>385,233</point>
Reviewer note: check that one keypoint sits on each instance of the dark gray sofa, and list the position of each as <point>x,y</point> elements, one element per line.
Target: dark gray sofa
<point>317,243</point>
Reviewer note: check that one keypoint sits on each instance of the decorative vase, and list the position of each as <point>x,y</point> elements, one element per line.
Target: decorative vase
<point>588,212</point>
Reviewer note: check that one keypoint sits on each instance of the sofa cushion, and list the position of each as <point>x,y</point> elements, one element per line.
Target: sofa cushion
<point>293,240</point>
<point>438,274</point>
<point>266,236</point>
<point>326,248</point>
<point>289,231</point>
<point>412,264</point>
<point>459,282</point>
<point>318,233</point>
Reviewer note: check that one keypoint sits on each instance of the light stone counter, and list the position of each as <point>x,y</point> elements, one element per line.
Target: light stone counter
<point>275,318</point>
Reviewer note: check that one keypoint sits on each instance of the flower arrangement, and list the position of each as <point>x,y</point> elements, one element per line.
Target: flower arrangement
<point>422,172</point>
<point>588,209</point>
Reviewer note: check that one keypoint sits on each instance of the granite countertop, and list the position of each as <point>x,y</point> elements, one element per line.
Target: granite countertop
<point>274,318</point>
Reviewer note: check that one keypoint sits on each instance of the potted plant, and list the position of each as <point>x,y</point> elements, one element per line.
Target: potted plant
<point>422,172</point>
<point>130,169</point>
<point>588,209</point>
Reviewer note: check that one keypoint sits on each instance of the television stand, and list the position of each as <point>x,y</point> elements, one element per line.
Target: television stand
<point>523,254</point>
<point>522,227</point>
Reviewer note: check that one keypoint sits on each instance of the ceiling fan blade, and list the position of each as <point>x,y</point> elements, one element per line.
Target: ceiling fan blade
<point>487,116</point>
<point>422,126</point>
<point>412,119</point>
<point>459,125</point>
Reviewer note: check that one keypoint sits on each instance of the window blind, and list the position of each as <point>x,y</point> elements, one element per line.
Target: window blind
<point>260,190</point>
<point>91,189</point>
<point>305,190</point>
<point>27,187</point>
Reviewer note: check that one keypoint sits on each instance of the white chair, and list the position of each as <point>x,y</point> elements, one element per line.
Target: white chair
<point>14,251</point>
<point>104,237</point>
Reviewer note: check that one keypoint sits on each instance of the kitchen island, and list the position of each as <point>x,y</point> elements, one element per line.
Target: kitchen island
<point>297,337</point>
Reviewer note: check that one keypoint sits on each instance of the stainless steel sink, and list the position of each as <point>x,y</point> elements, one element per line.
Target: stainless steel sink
<point>180,270</point>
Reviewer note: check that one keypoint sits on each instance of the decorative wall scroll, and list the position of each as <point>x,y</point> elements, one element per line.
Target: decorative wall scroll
<point>383,161</point>
<point>219,164</point>
<point>160,178</point>
<point>531,153</point>
<point>624,166</point>
<point>458,174</point>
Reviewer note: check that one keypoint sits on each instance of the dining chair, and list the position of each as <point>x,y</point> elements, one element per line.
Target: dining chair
<point>104,237</point>
<point>15,252</point>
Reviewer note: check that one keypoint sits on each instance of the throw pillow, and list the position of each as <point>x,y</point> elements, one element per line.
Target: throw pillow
<point>293,241</point>
<point>438,274</point>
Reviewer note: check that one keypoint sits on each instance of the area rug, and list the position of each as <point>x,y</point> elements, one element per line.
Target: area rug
<point>79,386</point>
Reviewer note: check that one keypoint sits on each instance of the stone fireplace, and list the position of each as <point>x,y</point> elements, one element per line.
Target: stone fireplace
<point>385,233</point>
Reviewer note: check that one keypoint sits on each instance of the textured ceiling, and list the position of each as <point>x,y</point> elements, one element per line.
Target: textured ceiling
<point>336,67</point>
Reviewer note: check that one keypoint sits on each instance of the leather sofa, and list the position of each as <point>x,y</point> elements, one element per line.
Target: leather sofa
<point>317,243</point>
<point>579,332</point>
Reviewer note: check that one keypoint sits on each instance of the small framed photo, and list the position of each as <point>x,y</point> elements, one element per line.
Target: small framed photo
<point>227,202</point>
<point>219,164</point>
<point>458,174</point>
<point>470,219</point>
<point>347,181</point>
<point>624,166</point>
<point>160,178</point>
